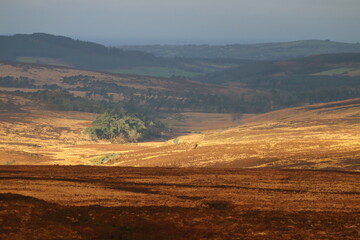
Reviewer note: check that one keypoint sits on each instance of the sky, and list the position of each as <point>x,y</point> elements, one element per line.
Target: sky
<point>135,22</point>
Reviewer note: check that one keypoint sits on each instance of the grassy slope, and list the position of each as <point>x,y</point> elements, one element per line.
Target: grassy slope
<point>32,134</point>
<point>316,137</point>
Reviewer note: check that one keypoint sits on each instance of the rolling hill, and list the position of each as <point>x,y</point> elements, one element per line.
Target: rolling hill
<point>34,133</point>
<point>139,93</point>
<point>339,64</point>
<point>313,79</point>
<point>42,48</point>
<point>323,136</point>
<point>44,110</point>
<point>59,50</point>
<point>263,51</point>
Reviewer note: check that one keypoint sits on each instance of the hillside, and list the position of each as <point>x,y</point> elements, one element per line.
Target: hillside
<point>37,134</point>
<point>323,136</point>
<point>314,79</point>
<point>42,48</point>
<point>136,93</point>
<point>59,50</point>
<point>263,51</point>
<point>339,64</point>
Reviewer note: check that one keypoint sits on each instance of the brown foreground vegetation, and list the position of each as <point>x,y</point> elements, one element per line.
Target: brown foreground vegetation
<point>83,202</point>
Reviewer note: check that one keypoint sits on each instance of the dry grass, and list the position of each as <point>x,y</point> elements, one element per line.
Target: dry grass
<point>194,122</point>
<point>75,202</point>
<point>57,137</point>
<point>324,136</point>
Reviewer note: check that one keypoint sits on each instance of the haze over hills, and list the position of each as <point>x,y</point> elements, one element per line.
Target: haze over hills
<point>262,51</point>
<point>63,51</point>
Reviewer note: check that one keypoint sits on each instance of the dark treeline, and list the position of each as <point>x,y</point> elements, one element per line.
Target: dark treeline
<point>153,100</point>
<point>21,82</point>
<point>96,86</point>
<point>63,100</point>
<point>145,101</point>
<point>191,101</point>
<point>24,82</point>
<point>273,93</point>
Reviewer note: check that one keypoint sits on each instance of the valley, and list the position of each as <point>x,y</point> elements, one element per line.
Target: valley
<point>264,147</point>
<point>323,136</point>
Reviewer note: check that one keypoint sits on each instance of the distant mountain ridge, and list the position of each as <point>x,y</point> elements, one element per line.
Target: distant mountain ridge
<point>60,50</point>
<point>42,48</point>
<point>261,51</point>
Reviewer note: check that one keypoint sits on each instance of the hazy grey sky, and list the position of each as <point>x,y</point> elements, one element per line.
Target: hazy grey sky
<point>184,21</point>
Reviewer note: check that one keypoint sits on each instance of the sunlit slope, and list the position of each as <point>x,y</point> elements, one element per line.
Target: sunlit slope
<point>323,136</point>
<point>34,134</point>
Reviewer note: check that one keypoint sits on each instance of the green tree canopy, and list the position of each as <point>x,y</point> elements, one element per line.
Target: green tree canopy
<point>122,128</point>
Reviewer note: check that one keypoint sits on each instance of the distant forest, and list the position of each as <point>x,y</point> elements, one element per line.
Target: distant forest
<point>99,97</point>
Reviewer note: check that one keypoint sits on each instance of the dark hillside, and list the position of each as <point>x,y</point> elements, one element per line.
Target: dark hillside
<point>75,53</point>
<point>41,48</point>
<point>320,78</point>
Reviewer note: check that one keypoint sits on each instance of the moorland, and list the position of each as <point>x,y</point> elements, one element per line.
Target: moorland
<point>221,148</point>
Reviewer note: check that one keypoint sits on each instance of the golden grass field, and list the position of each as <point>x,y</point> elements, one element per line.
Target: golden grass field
<point>33,135</point>
<point>323,136</point>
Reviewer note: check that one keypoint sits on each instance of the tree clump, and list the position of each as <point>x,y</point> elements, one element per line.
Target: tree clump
<point>123,127</point>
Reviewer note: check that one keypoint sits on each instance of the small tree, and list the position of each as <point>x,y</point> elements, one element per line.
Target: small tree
<point>115,127</point>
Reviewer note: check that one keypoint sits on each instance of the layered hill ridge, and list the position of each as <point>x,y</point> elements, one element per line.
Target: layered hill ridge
<point>261,51</point>
<point>60,50</point>
<point>323,136</point>
<point>266,72</point>
<point>54,50</point>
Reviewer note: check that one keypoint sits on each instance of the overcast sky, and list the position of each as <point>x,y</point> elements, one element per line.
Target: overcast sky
<point>115,22</point>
